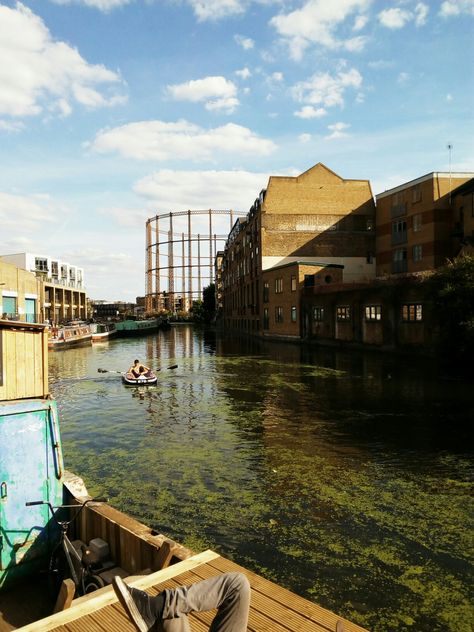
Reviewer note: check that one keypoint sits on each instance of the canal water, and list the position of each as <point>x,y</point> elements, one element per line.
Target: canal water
<point>346,477</point>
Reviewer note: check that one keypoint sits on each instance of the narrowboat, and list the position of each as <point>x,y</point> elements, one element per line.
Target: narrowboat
<point>75,334</point>
<point>102,332</point>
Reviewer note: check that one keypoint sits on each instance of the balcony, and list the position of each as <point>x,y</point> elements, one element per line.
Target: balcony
<point>398,210</point>
<point>399,237</point>
<point>399,267</point>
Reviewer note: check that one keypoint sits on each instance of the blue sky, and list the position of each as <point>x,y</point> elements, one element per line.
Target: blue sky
<point>112,111</point>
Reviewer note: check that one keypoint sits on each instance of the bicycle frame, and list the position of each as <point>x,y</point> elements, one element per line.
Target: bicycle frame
<point>77,567</point>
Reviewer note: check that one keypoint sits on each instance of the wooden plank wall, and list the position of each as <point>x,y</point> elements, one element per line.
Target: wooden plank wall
<point>24,362</point>
<point>133,546</point>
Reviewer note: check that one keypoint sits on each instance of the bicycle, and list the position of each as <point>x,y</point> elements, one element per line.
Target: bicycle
<point>66,561</point>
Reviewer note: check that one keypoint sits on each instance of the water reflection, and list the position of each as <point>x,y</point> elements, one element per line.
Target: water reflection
<point>344,476</point>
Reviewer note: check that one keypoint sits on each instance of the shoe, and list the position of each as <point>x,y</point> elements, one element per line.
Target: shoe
<point>136,603</point>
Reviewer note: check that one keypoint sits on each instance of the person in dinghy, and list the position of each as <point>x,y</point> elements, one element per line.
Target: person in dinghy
<point>138,370</point>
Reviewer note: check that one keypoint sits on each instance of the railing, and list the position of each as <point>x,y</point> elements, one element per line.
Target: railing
<point>399,266</point>
<point>22,318</point>
<point>399,237</point>
<point>399,209</point>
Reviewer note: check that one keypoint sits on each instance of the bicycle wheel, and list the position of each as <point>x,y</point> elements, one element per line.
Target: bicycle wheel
<point>92,583</point>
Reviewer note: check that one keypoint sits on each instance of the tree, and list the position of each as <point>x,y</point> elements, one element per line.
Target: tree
<point>209,302</point>
<point>452,293</point>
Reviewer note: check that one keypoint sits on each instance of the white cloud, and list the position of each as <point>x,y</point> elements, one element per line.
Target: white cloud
<point>326,90</point>
<point>169,190</point>
<point>456,7</point>
<point>31,212</point>
<point>217,92</point>
<point>277,76</point>
<point>304,138</point>
<point>397,18</point>
<point>403,78</point>
<point>316,22</point>
<point>11,126</point>
<point>309,112</point>
<point>338,130</point>
<point>245,42</point>
<point>380,64</point>
<point>38,73</point>
<point>244,73</point>
<point>102,5</point>
<point>159,140</point>
<point>421,13</point>
<point>394,18</point>
<point>360,22</point>
<point>216,9</point>
<point>449,97</point>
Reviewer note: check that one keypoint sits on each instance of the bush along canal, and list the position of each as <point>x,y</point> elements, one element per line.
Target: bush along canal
<point>346,477</point>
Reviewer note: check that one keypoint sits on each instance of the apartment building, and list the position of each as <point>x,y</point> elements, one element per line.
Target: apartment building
<point>317,218</point>
<point>417,223</point>
<point>62,296</point>
<point>283,287</point>
<point>20,293</point>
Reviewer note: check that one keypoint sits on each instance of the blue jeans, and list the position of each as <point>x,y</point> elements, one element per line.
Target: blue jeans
<point>229,593</point>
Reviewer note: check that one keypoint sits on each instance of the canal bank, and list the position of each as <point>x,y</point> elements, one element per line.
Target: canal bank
<point>345,477</point>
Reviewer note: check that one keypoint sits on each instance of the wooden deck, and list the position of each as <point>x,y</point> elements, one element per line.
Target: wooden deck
<point>272,608</point>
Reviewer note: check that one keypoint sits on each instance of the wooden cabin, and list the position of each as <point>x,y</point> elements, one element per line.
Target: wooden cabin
<point>23,360</point>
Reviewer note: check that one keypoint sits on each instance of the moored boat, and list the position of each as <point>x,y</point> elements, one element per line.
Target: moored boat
<point>75,334</point>
<point>128,328</point>
<point>102,332</point>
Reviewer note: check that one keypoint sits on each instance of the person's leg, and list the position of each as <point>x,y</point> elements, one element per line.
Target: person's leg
<point>229,593</point>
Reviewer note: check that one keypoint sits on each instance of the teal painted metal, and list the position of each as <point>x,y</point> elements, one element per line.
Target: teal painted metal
<point>31,468</point>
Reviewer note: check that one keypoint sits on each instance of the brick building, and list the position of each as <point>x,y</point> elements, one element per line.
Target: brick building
<point>316,218</point>
<point>416,223</point>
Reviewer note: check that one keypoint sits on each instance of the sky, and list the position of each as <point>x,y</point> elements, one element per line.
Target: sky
<point>114,111</point>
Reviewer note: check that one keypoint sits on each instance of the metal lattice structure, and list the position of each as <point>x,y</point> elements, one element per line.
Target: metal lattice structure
<point>180,252</point>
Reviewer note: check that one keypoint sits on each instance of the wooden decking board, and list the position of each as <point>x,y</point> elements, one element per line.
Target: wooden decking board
<point>313,612</point>
<point>272,608</point>
<point>264,607</point>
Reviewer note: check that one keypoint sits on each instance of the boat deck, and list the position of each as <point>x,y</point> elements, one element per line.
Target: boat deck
<point>272,608</point>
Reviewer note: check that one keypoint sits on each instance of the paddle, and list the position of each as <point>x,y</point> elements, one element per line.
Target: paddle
<point>173,366</point>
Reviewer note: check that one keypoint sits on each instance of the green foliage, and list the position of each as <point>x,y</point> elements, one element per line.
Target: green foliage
<point>452,292</point>
<point>204,311</point>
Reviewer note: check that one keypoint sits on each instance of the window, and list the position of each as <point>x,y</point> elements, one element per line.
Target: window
<point>412,312</point>
<point>266,291</point>
<point>278,286</point>
<point>343,312</point>
<point>416,193</point>
<point>293,283</point>
<point>278,314</point>
<point>309,280</point>
<point>9,307</point>
<point>266,319</point>
<point>318,314</point>
<point>399,261</point>
<point>399,231</point>
<point>30,310</point>
<point>293,314</point>
<point>41,264</point>
<point>417,252</point>
<point>373,312</point>
<point>417,222</point>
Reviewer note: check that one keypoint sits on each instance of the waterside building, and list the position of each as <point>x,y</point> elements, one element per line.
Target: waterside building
<point>317,258</point>
<point>62,293</point>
